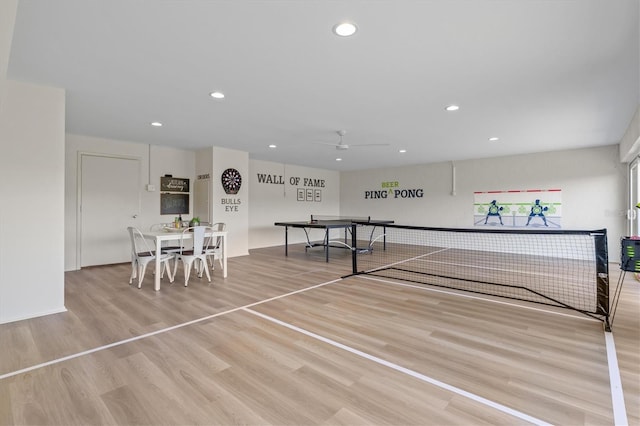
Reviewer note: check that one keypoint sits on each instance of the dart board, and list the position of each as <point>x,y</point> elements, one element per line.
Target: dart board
<point>231,181</point>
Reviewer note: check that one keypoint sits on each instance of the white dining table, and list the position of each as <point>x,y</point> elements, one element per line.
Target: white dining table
<point>172,235</point>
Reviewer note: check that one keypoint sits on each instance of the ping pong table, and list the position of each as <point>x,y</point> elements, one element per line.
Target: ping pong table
<point>328,223</point>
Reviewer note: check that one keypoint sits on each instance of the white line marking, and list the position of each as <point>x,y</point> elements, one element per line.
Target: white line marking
<point>406,260</point>
<point>489,268</point>
<point>617,394</point>
<point>620,416</point>
<point>405,370</point>
<point>469,296</point>
<point>153,333</point>
<point>588,290</point>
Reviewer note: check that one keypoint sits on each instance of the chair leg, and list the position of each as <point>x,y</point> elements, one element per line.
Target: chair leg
<point>206,269</point>
<point>133,271</point>
<point>175,261</point>
<point>168,268</point>
<point>143,269</point>
<point>187,272</point>
<point>139,274</point>
<point>200,266</point>
<point>175,266</point>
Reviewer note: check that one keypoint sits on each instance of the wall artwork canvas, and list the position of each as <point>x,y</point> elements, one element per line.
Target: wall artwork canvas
<point>529,208</point>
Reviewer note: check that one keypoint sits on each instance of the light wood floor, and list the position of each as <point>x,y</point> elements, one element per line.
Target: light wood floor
<point>284,341</point>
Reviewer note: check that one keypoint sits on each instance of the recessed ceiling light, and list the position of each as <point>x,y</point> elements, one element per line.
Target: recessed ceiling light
<point>345,29</point>
<point>402,151</point>
<point>493,139</point>
<point>338,159</point>
<point>452,108</point>
<point>272,146</point>
<point>156,124</point>
<point>217,95</point>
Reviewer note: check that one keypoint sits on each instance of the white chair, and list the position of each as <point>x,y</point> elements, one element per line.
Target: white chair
<point>142,255</point>
<point>197,254</point>
<point>213,245</point>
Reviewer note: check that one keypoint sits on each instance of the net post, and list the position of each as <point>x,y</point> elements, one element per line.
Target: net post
<point>354,248</point>
<point>602,275</point>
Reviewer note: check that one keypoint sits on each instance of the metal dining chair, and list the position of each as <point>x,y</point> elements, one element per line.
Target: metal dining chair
<point>213,245</point>
<point>195,256</point>
<point>142,255</point>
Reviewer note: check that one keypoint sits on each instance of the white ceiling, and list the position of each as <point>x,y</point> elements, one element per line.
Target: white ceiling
<point>541,75</point>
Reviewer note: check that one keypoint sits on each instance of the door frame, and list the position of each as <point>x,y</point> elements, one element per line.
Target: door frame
<point>81,155</point>
<point>198,188</point>
<point>633,222</point>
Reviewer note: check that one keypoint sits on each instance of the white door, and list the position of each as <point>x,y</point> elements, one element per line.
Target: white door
<point>634,198</point>
<point>109,203</point>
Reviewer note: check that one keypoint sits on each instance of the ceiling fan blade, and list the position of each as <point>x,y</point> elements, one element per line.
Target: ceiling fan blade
<point>325,143</point>
<point>344,146</point>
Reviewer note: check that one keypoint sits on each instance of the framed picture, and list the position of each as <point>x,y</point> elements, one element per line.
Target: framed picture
<point>171,184</point>
<point>309,194</point>
<point>300,194</point>
<point>317,195</point>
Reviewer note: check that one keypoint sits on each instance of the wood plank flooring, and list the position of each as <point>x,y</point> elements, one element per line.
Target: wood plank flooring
<point>285,341</point>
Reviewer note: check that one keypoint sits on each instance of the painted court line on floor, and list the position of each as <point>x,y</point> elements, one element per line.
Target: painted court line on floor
<point>617,394</point>
<point>153,333</point>
<point>404,370</point>
<point>426,287</point>
<point>406,260</point>
<point>616,384</point>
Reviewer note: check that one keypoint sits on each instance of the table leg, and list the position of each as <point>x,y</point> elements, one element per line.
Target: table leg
<point>384,238</point>
<point>286,241</point>
<point>158,263</point>
<point>326,244</point>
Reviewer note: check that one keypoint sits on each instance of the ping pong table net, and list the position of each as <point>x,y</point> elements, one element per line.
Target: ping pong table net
<point>345,219</point>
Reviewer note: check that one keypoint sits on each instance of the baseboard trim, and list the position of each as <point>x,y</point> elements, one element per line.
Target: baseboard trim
<point>34,315</point>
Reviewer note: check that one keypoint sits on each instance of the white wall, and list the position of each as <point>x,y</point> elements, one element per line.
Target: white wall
<point>176,162</point>
<point>593,184</point>
<point>32,174</point>
<point>249,226</point>
<point>204,172</point>
<point>630,143</point>
<point>32,171</point>
<point>595,172</point>
<point>232,209</point>
<point>278,201</point>
<point>8,10</point>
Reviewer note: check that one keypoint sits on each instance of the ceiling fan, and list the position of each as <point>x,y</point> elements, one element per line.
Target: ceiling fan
<point>343,146</point>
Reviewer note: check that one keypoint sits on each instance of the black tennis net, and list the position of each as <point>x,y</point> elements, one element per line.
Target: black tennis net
<point>568,269</point>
